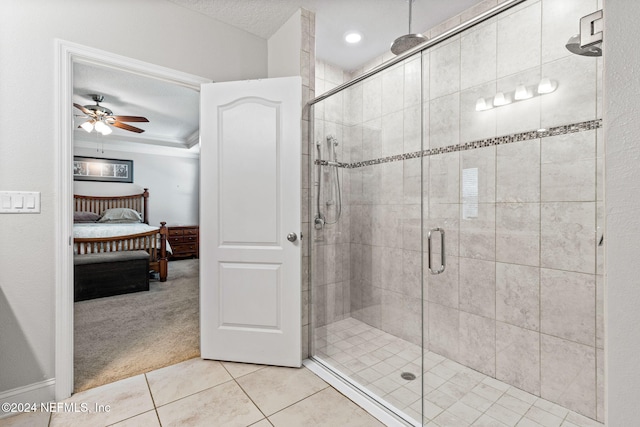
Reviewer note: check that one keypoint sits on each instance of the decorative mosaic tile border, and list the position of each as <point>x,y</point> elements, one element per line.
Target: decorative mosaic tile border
<point>488,142</point>
<point>338,164</point>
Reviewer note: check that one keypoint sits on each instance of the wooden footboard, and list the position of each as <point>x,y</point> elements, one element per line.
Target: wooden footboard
<point>154,242</point>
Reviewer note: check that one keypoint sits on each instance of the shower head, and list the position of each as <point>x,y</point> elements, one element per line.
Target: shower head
<point>408,41</point>
<point>573,45</point>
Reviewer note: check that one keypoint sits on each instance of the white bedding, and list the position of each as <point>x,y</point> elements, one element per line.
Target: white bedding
<point>93,229</point>
<point>96,229</point>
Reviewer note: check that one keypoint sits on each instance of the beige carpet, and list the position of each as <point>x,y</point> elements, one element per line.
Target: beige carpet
<point>125,335</point>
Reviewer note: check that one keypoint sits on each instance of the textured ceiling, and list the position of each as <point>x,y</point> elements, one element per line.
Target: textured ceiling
<point>380,21</point>
<point>259,17</point>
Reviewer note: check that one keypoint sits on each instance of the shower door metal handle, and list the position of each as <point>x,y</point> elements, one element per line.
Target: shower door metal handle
<point>443,262</point>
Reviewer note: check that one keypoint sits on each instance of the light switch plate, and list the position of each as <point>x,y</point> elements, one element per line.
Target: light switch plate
<point>19,202</point>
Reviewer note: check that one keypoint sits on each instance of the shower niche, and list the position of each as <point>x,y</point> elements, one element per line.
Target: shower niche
<point>455,271</point>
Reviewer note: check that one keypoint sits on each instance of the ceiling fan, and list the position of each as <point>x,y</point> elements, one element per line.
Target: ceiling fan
<point>100,118</point>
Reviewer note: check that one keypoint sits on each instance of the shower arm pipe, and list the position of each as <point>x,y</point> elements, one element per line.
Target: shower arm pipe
<point>426,45</point>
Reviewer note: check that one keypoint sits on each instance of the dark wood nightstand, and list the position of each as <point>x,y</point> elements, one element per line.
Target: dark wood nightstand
<point>185,241</point>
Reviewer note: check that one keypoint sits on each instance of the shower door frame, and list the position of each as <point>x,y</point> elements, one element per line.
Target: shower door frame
<point>507,4</point>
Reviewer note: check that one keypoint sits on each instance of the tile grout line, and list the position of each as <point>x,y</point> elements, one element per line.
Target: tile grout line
<point>305,398</point>
<point>153,401</point>
<point>539,333</point>
<point>540,176</point>
<point>194,393</point>
<point>234,379</point>
<point>252,401</point>
<point>135,415</point>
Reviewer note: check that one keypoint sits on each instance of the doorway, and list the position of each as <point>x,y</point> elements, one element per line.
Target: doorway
<point>68,55</point>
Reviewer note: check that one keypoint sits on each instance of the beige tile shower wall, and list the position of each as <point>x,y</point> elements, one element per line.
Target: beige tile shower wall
<point>383,119</point>
<point>330,282</point>
<point>307,72</point>
<point>521,299</point>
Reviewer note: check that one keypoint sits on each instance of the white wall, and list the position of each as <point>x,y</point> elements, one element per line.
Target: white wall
<point>284,48</point>
<point>155,31</point>
<point>173,184</point>
<point>622,235</point>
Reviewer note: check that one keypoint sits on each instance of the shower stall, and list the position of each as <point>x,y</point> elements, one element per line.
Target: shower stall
<point>456,212</point>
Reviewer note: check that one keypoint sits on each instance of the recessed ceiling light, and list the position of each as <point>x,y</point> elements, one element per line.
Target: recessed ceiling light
<point>352,37</point>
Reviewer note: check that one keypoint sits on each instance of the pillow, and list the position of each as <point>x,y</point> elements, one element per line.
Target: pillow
<point>120,215</point>
<point>83,216</point>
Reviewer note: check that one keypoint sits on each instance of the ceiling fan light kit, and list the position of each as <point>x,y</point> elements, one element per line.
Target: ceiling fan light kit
<point>88,125</point>
<point>101,118</point>
<point>102,128</point>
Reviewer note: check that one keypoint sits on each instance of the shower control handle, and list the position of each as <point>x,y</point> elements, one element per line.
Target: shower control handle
<point>292,237</point>
<point>442,251</point>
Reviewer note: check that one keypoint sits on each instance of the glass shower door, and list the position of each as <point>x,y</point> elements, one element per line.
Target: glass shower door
<point>511,174</point>
<point>480,158</point>
<point>366,262</point>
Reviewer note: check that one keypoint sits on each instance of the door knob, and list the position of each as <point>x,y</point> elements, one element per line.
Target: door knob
<point>292,237</point>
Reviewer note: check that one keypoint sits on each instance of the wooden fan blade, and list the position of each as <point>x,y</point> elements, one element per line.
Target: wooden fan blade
<point>127,127</point>
<point>84,110</point>
<point>130,118</point>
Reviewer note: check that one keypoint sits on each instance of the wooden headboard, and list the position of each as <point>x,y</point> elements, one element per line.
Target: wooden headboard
<point>99,204</point>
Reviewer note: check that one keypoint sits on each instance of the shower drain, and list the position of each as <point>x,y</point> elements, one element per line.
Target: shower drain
<point>408,376</point>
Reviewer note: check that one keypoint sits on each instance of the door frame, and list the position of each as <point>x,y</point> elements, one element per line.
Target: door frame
<point>68,53</point>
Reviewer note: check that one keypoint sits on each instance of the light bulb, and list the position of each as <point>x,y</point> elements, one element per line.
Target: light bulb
<point>546,86</point>
<point>99,126</point>
<point>88,126</point>
<point>102,128</point>
<point>500,99</point>
<point>522,93</point>
<point>481,105</point>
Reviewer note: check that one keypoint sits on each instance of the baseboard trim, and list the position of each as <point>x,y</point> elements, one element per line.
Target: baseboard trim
<point>43,391</point>
<point>365,402</point>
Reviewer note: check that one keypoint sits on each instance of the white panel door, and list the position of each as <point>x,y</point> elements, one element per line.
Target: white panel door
<point>249,203</point>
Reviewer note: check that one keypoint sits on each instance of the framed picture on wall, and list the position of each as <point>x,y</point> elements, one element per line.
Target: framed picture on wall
<point>104,170</point>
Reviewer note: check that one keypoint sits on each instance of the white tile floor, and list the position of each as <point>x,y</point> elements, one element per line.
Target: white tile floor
<point>455,395</point>
<point>207,393</point>
<point>203,393</point>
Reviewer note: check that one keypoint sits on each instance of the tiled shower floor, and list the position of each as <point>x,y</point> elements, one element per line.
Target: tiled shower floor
<point>455,395</point>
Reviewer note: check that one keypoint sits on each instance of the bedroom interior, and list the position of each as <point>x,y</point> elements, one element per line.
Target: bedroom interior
<point>136,294</point>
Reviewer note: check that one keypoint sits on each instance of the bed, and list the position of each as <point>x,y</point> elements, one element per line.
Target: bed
<point>93,234</point>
